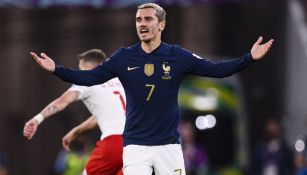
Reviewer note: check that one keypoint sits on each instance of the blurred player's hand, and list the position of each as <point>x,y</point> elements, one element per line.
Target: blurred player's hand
<point>259,50</point>
<point>44,61</point>
<point>30,128</point>
<point>68,138</point>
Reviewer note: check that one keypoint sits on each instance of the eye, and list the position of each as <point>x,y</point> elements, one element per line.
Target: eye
<point>148,18</point>
<point>138,19</point>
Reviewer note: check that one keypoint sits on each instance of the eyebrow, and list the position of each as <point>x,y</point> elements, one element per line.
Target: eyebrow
<point>146,17</point>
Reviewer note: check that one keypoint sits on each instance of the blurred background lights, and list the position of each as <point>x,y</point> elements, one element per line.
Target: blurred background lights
<point>205,122</point>
<point>204,103</point>
<point>207,102</point>
<point>299,145</point>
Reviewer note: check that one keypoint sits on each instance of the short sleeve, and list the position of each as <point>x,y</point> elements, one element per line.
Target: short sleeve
<point>83,91</point>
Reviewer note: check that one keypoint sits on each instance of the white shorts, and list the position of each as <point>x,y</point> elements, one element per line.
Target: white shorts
<point>164,160</point>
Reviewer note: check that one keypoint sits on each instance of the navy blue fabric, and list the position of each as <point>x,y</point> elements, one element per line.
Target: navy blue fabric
<point>153,121</point>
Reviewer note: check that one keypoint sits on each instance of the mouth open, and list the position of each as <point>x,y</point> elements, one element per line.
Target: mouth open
<point>143,31</point>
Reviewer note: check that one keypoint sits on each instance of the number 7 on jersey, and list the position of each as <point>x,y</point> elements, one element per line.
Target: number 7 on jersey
<point>152,87</point>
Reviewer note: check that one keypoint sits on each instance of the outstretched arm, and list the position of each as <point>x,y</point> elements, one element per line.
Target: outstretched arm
<point>259,50</point>
<point>198,66</point>
<point>98,75</point>
<point>54,107</point>
<point>72,134</point>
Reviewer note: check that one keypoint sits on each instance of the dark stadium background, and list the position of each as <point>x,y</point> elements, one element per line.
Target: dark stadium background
<point>273,87</point>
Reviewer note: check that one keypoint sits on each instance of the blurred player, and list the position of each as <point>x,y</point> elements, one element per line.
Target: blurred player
<point>106,102</point>
<point>151,73</point>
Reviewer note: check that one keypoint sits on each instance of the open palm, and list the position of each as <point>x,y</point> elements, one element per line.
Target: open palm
<point>259,50</point>
<point>45,62</point>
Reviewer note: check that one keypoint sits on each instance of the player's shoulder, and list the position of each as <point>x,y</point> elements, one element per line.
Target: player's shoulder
<point>178,50</point>
<point>78,88</point>
<point>123,52</point>
<point>130,50</point>
<point>117,53</point>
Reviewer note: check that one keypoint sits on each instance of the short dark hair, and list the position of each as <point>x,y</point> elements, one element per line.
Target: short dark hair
<point>96,56</point>
<point>160,12</point>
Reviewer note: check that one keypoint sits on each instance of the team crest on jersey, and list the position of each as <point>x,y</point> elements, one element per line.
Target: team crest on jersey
<point>149,69</point>
<point>166,68</point>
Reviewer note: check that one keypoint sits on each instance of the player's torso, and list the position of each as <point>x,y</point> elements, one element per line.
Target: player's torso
<point>151,78</point>
<point>151,84</point>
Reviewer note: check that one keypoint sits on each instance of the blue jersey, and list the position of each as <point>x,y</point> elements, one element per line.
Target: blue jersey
<point>151,82</point>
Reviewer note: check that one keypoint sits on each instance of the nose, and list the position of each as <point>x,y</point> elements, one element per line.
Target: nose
<point>141,24</point>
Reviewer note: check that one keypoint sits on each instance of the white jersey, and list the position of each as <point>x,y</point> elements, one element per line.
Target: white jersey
<point>107,102</point>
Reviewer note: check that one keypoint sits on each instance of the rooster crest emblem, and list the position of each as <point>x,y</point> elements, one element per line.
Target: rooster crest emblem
<point>166,68</point>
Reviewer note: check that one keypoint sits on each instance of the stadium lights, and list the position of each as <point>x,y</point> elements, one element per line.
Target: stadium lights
<point>299,145</point>
<point>208,102</point>
<point>205,122</point>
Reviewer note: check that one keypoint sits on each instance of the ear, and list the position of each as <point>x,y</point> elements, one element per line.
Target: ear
<point>161,25</point>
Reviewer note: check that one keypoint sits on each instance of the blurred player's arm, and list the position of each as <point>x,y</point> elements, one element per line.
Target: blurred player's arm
<point>54,107</point>
<point>72,134</point>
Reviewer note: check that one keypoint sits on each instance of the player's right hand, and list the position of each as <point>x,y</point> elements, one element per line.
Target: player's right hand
<point>30,128</point>
<point>44,61</point>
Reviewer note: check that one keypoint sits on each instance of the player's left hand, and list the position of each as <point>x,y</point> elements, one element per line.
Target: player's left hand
<point>259,50</point>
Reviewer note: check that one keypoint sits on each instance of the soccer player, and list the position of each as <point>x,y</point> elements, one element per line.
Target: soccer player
<point>106,102</point>
<point>151,72</point>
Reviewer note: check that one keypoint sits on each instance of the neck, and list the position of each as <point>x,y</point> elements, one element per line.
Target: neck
<point>148,47</point>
